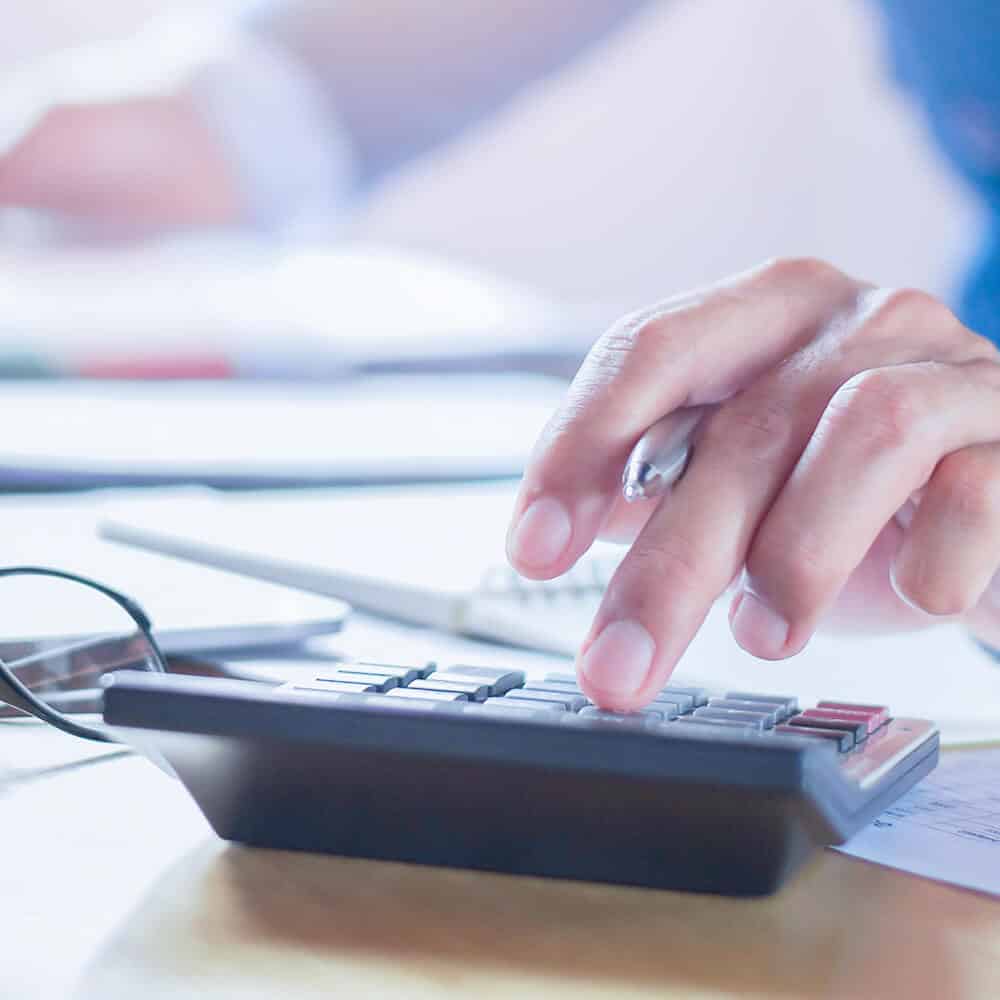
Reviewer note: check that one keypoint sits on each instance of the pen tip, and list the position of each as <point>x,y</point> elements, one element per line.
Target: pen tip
<point>633,491</point>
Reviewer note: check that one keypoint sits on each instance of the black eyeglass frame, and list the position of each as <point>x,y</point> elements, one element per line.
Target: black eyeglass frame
<point>15,693</point>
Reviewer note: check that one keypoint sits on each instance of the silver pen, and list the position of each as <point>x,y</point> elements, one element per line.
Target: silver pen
<point>661,455</point>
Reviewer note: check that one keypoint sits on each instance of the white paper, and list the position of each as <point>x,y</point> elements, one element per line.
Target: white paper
<point>302,309</point>
<point>947,828</point>
<point>190,606</point>
<point>422,427</point>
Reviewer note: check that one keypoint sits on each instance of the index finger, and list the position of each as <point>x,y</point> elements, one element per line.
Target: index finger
<point>694,350</point>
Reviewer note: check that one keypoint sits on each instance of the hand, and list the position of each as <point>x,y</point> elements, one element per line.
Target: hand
<point>837,403</point>
<point>142,162</point>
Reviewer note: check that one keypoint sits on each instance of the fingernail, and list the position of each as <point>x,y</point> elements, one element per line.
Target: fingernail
<point>904,516</point>
<point>908,601</point>
<point>993,592</point>
<point>617,663</point>
<point>757,628</point>
<point>541,536</point>
<point>900,593</point>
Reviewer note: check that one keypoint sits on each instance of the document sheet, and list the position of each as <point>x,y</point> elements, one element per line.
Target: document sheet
<point>947,828</point>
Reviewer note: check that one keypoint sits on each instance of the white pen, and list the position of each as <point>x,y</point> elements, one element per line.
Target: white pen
<point>661,455</point>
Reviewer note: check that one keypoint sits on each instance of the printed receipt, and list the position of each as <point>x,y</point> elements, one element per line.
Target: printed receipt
<point>947,828</point>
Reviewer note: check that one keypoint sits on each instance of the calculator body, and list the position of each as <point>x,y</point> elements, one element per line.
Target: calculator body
<point>726,811</point>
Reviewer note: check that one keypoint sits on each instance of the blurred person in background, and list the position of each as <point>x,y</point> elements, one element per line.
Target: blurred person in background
<point>850,469</point>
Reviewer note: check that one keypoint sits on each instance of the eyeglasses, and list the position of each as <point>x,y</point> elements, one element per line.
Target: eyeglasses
<point>59,635</point>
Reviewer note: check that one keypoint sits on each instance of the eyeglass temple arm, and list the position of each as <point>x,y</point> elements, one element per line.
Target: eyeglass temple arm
<point>27,660</point>
<point>88,700</point>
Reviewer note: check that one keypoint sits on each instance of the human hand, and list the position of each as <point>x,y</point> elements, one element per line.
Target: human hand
<point>143,162</point>
<point>838,407</point>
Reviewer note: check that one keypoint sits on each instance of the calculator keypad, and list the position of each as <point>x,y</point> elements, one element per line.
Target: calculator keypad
<point>498,693</point>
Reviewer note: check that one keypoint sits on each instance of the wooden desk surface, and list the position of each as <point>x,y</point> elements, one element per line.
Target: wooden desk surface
<point>114,887</point>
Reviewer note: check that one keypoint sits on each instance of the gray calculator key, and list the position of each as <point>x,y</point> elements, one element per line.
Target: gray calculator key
<point>571,702</point>
<point>405,675</point>
<point>790,703</point>
<point>424,669</point>
<point>334,687</point>
<point>708,723</point>
<point>757,719</point>
<point>562,687</point>
<point>550,687</point>
<point>843,741</point>
<point>643,718</point>
<point>500,708</point>
<point>374,698</point>
<point>506,703</point>
<point>561,678</point>
<point>667,708</point>
<point>681,702</point>
<point>408,692</point>
<point>499,681</point>
<point>476,690</point>
<point>699,695</point>
<point>381,682</point>
<point>772,711</point>
<point>712,729</point>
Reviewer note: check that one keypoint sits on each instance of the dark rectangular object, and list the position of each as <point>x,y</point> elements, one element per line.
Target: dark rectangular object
<point>670,805</point>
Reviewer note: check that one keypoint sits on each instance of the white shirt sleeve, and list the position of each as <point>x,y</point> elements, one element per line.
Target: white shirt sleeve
<point>294,162</point>
<point>313,99</point>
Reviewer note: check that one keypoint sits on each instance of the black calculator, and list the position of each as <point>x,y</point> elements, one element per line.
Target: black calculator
<point>481,767</point>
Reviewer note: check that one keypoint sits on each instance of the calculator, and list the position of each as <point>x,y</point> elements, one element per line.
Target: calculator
<point>483,767</point>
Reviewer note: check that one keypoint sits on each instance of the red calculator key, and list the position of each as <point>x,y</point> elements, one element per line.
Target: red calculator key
<point>844,741</point>
<point>857,729</point>
<point>841,715</point>
<point>879,713</point>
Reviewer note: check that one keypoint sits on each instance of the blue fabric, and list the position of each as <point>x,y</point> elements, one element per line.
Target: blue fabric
<point>995,653</point>
<point>947,52</point>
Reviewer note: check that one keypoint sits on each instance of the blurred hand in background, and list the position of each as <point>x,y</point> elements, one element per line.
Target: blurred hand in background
<point>140,162</point>
<point>282,113</point>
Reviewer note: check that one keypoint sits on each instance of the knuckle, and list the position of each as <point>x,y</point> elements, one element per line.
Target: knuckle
<point>879,407</point>
<point>651,336</point>
<point>798,573</point>
<point>666,566</point>
<point>894,310</point>
<point>756,428</point>
<point>970,488</point>
<point>799,270</point>
<point>634,328</point>
<point>984,352</point>
<point>641,338</point>
<point>608,355</point>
